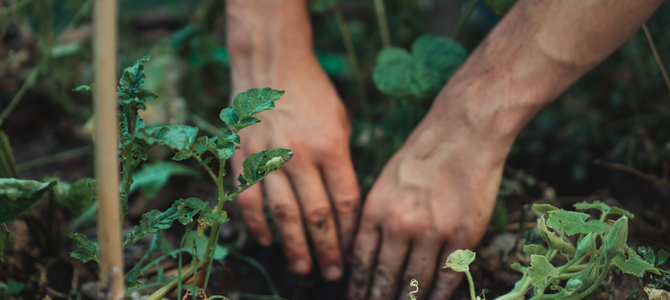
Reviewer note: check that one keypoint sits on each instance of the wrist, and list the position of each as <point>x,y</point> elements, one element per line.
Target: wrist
<point>267,39</point>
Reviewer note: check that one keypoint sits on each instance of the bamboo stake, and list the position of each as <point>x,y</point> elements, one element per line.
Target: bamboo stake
<point>106,158</point>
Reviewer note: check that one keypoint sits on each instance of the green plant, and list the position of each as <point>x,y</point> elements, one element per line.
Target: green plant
<point>585,268</point>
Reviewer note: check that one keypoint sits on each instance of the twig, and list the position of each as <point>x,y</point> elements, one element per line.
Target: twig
<point>637,173</point>
<point>353,61</point>
<point>464,18</point>
<point>383,26</point>
<point>658,58</point>
<point>260,268</point>
<point>204,124</point>
<point>24,88</point>
<point>54,158</point>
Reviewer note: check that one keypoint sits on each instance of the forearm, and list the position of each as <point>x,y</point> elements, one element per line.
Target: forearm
<point>534,54</point>
<point>266,38</point>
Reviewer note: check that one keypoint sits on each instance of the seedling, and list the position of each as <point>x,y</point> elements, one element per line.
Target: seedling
<point>585,268</point>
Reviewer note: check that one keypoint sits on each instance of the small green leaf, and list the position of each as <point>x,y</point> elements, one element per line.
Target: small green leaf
<point>622,212</point>
<point>541,209</point>
<point>257,165</point>
<point>130,281</point>
<point>441,54</point>
<point>615,240</point>
<point>177,137</point>
<point>662,256</point>
<point>89,249</point>
<point>188,208</point>
<point>604,208</point>
<point>77,197</point>
<point>535,249</point>
<point>399,75</point>
<point>460,260</point>
<point>17,196</point>
<point>246,123</point>
<point>540,271</point>
<point>12,287</point>
<point>254,101</point>
<point>152,177</point>
<point>552,239</point>
<point>574,222</point>
<point>229,117</point>
<point>634,264</point>
<point>182,155</point>
<point>651,258</point>
<point>4,240</point>
<point>201,243</point>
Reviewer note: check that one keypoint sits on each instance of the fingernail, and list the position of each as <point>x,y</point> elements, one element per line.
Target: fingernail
<point>333,273</point>
<point>301,267</point>
<point>265,241</point>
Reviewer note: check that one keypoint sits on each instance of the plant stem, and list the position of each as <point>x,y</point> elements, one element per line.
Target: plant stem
<point>464,18</point>
<point>658,58</point>
<point>207,168</point>
<point>590,290</point>
<point>472,285</point>
<point>383,26</point>
<point>260,268</point>
<point>54,158</point>
<point>23,89</point>
<point>353,61</point>
<point>200,122</point>
<point>637,173</point>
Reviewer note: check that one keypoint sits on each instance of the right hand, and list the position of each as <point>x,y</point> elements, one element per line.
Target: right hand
<point>318,186</point>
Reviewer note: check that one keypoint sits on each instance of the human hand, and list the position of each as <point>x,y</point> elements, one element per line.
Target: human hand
<point>434,196</point>
<point>309,119</point>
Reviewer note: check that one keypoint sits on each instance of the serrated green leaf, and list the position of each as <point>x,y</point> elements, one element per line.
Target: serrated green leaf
<point>662,256</point>
<point>177,137</point>
<point>574,222</point>
<point>221,149</point>
<point>229,117</point>
<point>4,240</point>
<point>540,271</point>
<point>154,176</point>
<point>78,197</point>
<point>593,205</point>
<point>89,249</point>
<point>634,264</point>
<point>441,54</point>
<point>17,196</point>
<point>246,123</point>
<point>182,155</point>
<point>460,260</point>
<point>535,249</point>
<point>552,239</point>
<point>257,165</point>
<point>321,6</point>
<point>130,281</point>
<point>188,208</point>
<point>541,209</point>
<point>622,212</point>
<point>229,136</point>
<point>254,101</point>
<point>399,75</point>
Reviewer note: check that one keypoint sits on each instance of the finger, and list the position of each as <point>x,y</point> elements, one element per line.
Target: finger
<point>420,266</point>
<point>286,214</point>
<point>390,262</point>
<point>251,204</point>
<point>446,280</point>
<point>365,251</point>
<point>318,219</point>
<point>342,186</point>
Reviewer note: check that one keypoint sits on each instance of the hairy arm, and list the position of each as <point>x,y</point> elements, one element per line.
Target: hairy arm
<point>436,194</point>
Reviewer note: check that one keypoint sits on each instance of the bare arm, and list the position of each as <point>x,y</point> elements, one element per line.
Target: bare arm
<point>436,194</point>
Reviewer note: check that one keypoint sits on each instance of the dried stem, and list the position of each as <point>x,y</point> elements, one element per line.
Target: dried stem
<point>637,173</point>
<point>658,58</point>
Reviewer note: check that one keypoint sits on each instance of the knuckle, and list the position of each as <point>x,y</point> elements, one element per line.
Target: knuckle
<point>398,222</point>
<point>284,213</point>
<point>318,217</point>
<point>347,206</point>
<point>333,145</point>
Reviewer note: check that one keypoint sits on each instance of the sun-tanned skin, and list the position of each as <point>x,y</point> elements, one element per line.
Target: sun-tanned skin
<point>436,194</point>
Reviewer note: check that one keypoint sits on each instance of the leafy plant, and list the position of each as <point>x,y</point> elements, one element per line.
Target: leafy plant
<point>135,141</point>
<point>585,268</point>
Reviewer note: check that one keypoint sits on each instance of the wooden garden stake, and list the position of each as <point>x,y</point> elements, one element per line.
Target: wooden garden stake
<point>106,148</point>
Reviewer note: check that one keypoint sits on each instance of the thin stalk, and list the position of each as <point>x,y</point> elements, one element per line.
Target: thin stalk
<point>216,242</point>
<point>54,158</point>
<point>353,61</point>
<point>635,172</point>
<point>472,285</point>
<point>179,275</point>
<point>590,290</point>
<point>24,88</point>
<point>464,18</point>
<point>518,294</point>
<point>207,168</point>
<point>383,25</point>
<point>260,268</point>
<point>658,58</point>
<point>566,276</point>
<point>204,124</point>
